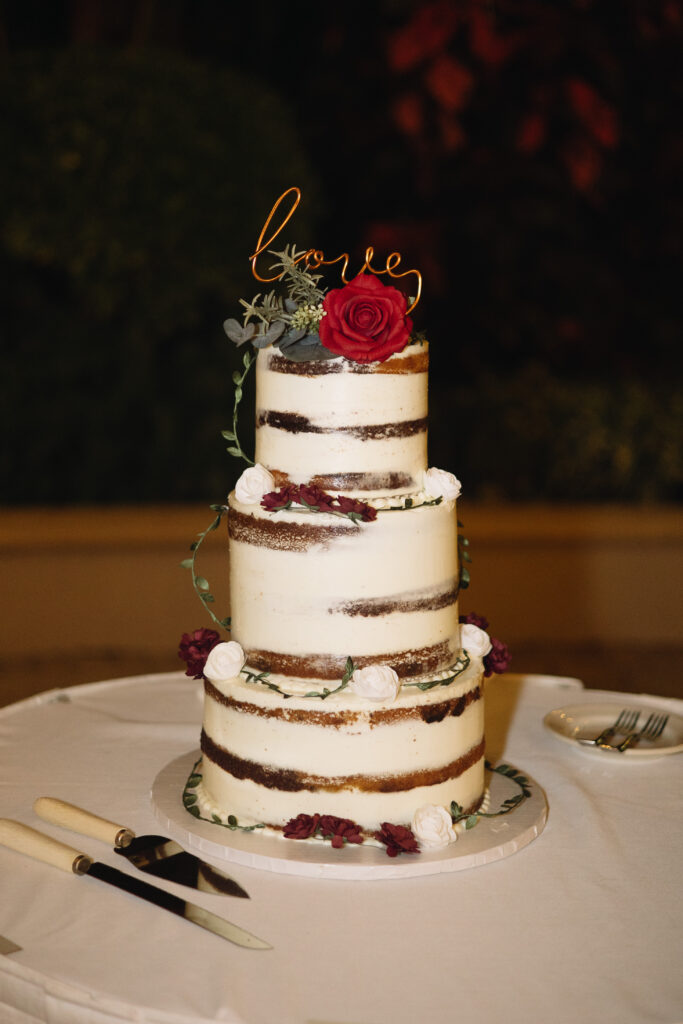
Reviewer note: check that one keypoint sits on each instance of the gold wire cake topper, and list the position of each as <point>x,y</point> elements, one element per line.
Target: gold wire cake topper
<point>315,258</point>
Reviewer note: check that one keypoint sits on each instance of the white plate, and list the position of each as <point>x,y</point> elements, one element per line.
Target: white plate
<point>491,840</point>
<point>586,721</point>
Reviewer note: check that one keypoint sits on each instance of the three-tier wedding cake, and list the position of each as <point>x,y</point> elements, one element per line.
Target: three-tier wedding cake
<point>348,703</point>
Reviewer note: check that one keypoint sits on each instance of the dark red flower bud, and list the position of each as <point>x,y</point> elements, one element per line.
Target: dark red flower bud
<point>194,648</point>
<point>301,827</point>
<point>340,830</point>
<point>397,839</point>
<point>475,620</point>
<point>498,659</point>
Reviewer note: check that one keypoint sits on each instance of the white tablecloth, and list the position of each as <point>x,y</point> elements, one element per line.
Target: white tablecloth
<point>582,925</point>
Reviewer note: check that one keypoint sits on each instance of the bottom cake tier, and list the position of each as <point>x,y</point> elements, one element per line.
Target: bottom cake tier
<point>268,757</point>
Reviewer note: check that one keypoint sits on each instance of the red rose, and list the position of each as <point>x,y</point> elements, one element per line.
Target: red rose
<point>365,320</point>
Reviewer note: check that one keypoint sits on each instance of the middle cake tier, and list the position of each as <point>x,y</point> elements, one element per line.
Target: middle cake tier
<point>309,590</point>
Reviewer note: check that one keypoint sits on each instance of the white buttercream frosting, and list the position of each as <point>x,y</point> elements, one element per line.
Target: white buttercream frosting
<point>475,641</point>
<point>438,483</point>
<point>433,827</point>
<point>376,682</point>
<point>336,411</point>
<point>224,662</point>
<point>253,484</point>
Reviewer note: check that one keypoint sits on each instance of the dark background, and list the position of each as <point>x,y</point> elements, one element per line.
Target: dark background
<point>525,156</point>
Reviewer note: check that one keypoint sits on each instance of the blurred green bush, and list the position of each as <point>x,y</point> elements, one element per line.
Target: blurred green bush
<point>132,190</point>
<point>133,186</point>
<point>533,435</point>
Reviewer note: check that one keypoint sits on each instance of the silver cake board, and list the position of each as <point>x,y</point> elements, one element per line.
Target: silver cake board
<point>491,839</point>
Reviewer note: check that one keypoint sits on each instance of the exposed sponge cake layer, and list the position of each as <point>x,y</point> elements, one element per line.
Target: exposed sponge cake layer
<point>347,427</point>
<point>309,590</point>
<point>267,759</point>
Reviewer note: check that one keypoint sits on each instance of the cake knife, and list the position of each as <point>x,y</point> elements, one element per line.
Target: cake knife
<point>36,844</point>
<point>155,855</point>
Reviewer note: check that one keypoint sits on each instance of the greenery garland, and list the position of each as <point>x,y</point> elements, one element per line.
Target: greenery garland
<point>190,799</point>
<point>238,380</point>
<point>262,677</point>
<point>459,814</point>
<point>458,667</point>
<point>200,583</point>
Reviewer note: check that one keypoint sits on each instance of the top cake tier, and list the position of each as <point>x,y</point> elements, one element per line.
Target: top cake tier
<point>351,428</point>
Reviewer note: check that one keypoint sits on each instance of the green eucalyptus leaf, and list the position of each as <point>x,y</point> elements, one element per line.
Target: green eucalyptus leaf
<point>187,563</point>
<point>228,435</point>
<point>201,583</point>
<point>235,451</point>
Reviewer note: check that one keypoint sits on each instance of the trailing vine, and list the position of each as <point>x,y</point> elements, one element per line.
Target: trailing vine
<point>410,503</point>
<point>458,668</point>
<point>459,814</point>
<point>262,677</point>
<point>200,583</point>
<point>463,556</point>
<point>190,799</point>
<point>238,380</point>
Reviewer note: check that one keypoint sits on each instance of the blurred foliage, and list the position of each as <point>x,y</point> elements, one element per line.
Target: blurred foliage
<point>525,155</point>
<point>132,191</point>
<point>555,439</point>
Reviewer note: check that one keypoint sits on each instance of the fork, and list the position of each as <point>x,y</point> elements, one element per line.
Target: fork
<point>626,722</point>
<point>652,730</point>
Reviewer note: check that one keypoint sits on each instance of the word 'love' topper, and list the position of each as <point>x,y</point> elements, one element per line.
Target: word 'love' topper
<point>315,258</point>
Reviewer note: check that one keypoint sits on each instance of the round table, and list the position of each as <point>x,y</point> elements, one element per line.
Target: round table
<point>580,925</point>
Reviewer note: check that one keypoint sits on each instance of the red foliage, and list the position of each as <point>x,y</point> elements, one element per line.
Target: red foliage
<point>426,34</point>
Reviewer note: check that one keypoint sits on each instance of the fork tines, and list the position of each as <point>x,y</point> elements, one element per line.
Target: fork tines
<point>625,723</point>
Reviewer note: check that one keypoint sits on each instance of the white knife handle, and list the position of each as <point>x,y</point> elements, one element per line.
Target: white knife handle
<point>58,812</point>
<point>36,844</point>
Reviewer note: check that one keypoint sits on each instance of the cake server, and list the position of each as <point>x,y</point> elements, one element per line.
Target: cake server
<point>155,855</point>
<point>42,847</point>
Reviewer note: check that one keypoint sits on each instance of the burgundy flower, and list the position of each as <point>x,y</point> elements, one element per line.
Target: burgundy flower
<point>397,839</point>
<point>194,648</point>
<point>498,659</point>
<point>302,827</point>
<point>315,497</point>
<point>351,505</point>
<point>365,320</point>
<point>276,500</point>
<point>475,620</point>
<point>340,830</point>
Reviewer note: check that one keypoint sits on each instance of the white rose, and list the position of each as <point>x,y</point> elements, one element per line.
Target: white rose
<point>224,662</point>
<point>475,641</point>
<point>376,682</point>
<point>433,827</point>
<point>253,484</point>
<point>437,483</point>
